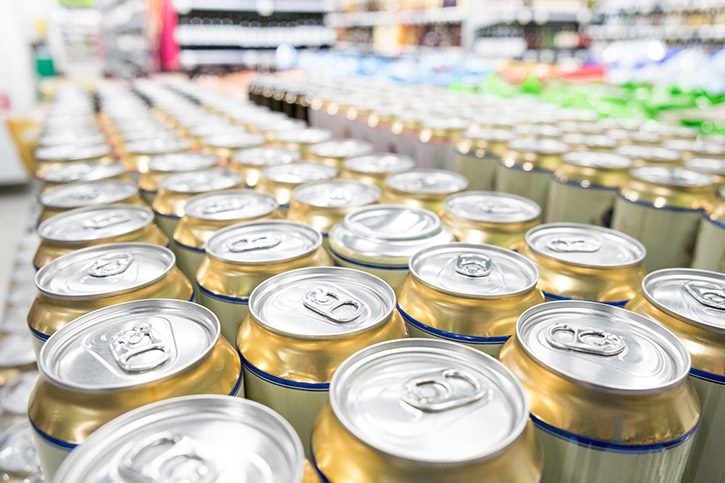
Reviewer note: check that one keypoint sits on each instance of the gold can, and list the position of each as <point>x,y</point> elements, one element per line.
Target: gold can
<point>405,130</point>
<point>301,325</point>
<point>589,142</point>
<point>467,293</point>
<point>250,162</point>
<point>225,144</point>
<point>711,166</point>
<point>214,126</point>
<point>240,257</point>
<point>81,173</point>
<point>49,158</point>
<point>301,140</point>
<point>710,244</point>
<point>584,186</point>
<point>280,180</point>
<point>334,153</point>
<point>653,201</point>
<point>423,188</point>
<point>437,141</point>
<point>609,393</point>
<point>478,154</point>
<point>137,154</point>
<point>165,164</point>
<point>415,409</point>
<point>373,168</point>
<point>122,357</point>
<point>644,155</point>
<point>85,227</point>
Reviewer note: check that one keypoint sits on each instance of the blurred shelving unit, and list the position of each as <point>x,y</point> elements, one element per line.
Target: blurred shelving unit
<point>128,30</point>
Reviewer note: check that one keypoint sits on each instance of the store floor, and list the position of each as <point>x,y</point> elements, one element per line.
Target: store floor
<point>15,204</point>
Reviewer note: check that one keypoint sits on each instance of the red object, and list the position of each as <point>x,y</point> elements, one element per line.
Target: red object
<point>168,46</point>
<point>4,101</point>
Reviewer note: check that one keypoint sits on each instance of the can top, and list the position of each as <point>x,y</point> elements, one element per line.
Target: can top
<point>168,163</point>
<point>672,130</point>
<point>91,193</point>
<point>429,401</point>
<point>672,176</point>
<point>694,296</point>
<point>322,303</point>
<point>696,147</point>
<point>296,173</point>
<point>16,350</point>
<point>71,152</point>
<point>589,140</point>
<point>490,135</point>
<point>648,137</point>
<point>157,146</point>
<point>95,223</point>
<point>19,455</point>
<point>200,181</point>
<point>538,146</point>
<point>206,437</point>
<point>277,125</point>
<point>585,245</point>
<point>230,205</point>
<point>652,154</point>
<point>341,148</point>
<point>336,194</point>
<point>603,347</point>
<point>304,136</point>
<point>64,137</point>
<point>597,160</point>
<point>129,344</point>
<point>15,395</point>
<point>214,127</point>
<point>234,140</point>
<point>427,181</point>
<point>474,270</point>
<point>70,173</point>
<point>263,242</point>
<point>492,207</point>
<point>266,156</point>
<point>104,270</point>
<point>538,130</point>
<point>707,165</point>
<point>380,163</point>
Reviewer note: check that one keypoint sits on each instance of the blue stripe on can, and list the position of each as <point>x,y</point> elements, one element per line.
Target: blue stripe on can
<point>519,168</point>
<point>286,383</point>
<point>469,339</point>
<point>190,248</point>
<point>666,208</point>
<point>313,460</point>
<point>235,390</point>
<point>38,335</point>
<point>226,298</point>
<point>368,265</point>
<point>174,217</point>
<point>619,303</point>
<point>54,441</point>
<point>578,184</point>
<point>193,292</point>
<point>717,223</point>
<point>707,376</point>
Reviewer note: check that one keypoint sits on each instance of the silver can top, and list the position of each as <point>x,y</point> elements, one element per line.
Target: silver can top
<point>707,165</point>
<point>201,438</point>
<point>336,194</point>
<point>652,154</point>
<point>230,205</point>
<point>15,395</point>
<point>130,344</point>
<point>73,138</point>
<point>95,223</point>
<point>590,140</point>
<point>214,127</point>
<point>234,140</point>
<point>603,347</point>
<point>200,181</point>
<point>71,152</point>
<point>474,270</point>
<point>169,163</point>
<point>584,245</point>
<point>266,156</point>
<point>342,148</point>
<point>75,172</point>
<point>492,207</point>
<point>380,163</point>
<point>672,176</point>
<point>322,303</point>
<point>157,146</point>
<point>297,173</point>
<point>263,242</point>
<point>427,181</point>
<point>429,401</point>
<point>489,135</point>
<point>589,159</point>
<point>78,195</point>
<point>697,147</point>
<point>104,270</point>
<point>16,350</point>
<point>19,456</point>
<point>538,146</point>
<point>304,136</point>
<point>695,296</point>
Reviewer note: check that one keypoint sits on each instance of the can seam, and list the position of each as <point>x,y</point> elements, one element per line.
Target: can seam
<point>228,298</point>
<point>717,223</point>
<point>618,303</point>
<point>189,247</point>
<point>286,383</point>
<point>707,376</point>
<point>578,184</point>
<point>470,339</point>
<point>368,265</point>
<point>665,208</point>
<point>54,441</point>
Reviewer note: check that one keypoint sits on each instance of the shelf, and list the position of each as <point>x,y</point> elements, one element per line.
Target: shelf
<point>405,17</point>
<point>266,37</point>
<point>643,8</point>
<point>715,32</point>
<point>321,6</point>
<point>368,49</point>
<point>250,57</point>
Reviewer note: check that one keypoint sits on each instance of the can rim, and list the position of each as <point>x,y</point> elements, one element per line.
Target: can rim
<point>189,210</point>
<point>113,169</point>
<point>297,193</point>
<point>328,170</point>
<point>71,186</point>
<point>354,163</point>
<point>43,227</point>
<point>497,194</point>
<point>460,181</point>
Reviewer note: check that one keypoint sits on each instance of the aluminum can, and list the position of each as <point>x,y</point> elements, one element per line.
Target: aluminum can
<point>250,162</point>
<point>644,155</point>
<point>638,138</point>
<point>427,411</point>
<point>712,166</point>
<point>589,142</point>
<point>99,225</point>
<point>19,458</point>
<point>486,217</point>
<point>92,137</point>
<point>280,180</point>
<point>93,193</point>
<point>610,398</point>
<point>240,257</point>
<point>537,132</point>
<point>423,188</point>
<point>82,172</point>
<point>271,129</point>
<point>478,154</point>
<point>585,262</point>
<point>207,213</point>
<point>300,140</point>
<point>176,189</point>
<point>180,438</point>
<point>526,168</point>
<point>380,122</point>
<point>437,141</point>
<point>467,293</point>
<point>695,149</point>
<point>301,325</point>
<point>165,164</point>
<point>334,153</point>
<point>584,186</point>
<point>405,130</point>
<point>88,279</point>
<point>137,154</point>
<point>54,157</point>
<point>691,303</point>
<point>579,127</point>
<point>668,131</point>
<point>373,168</point>
<point>225,144</point>
<point>710,244</point>
<point>653,201</point>
<point>16,357</point>
<point>122,357</point>
<point>215,127</point>
<point>380,239</point>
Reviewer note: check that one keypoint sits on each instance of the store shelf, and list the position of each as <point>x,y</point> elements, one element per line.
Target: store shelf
<point>674,6</point>
<point>405,17</point>
<point>713,33</point>
<point>185,6</point>
<point>251,37</point>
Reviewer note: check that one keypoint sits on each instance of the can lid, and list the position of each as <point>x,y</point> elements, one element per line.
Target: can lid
<point>707,165</point>
<point>380,163</point>
<point>64,137</point>
<point>263,242</point>
<point>589,159</point>
<point>474,270</point>
<point>234,140</point>
<point>82,172</point>
<point>490,135</point>
<point>71,152</point>
<point>76,195</point>
<point>492,207</point>
<point>634,136</point>
<point>538,146</point>
<point>158,146</point>
<point>304,136</point>
<point>429,401</point>
<point>265,156</point>
<point>99,271</point>
<point>694,296</point>
<point>182,162</point>
<point>604,347</point>
<point>341,148</point>
<point>129,344</point>
<point>95,223</point>
<point>672,176</point>
<point>14,396</point>
<point>279,125</point>
<point>589,140</point>
<point>296,173</point>
<point>697,147</point>
<point>16,350</point>
<point>336,194</point>
<point>200,181</point>
<point>585,245</point>
<point>230,205</point>
<point>653,154</point>
<point>19,455</point>
<point>214,127</point>
<point>427,181</point>
<point>322,303</point>
<point>204,438</point>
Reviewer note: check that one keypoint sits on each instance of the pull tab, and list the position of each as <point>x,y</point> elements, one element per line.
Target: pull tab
<point>573,244</point>
<point>329,304</point>
<point>166,457</point>
<point>589,341</point>
<point>139,349</point>
<point>434,392</point>
<point>224,206</point>
<point>110,265</point>
<point>73,172</point>
<point>248,244</point>
<point>419,184</point>
<point>339,197</point>
<point>494,208</point>
<point>86,193</point>
<point>198,183</point>
<point>707,294</point>
<point>470,265</point>
<point>105,220</point>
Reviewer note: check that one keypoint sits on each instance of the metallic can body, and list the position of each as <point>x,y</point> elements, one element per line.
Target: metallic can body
<point>82,172</point>
<point>423,188</point>
<point>478,154</point>
<point>279,181</point>
<point>250,162</point>
<point>532,184</point>
<point>300,140</point>
<point>334,153</point>
<point>138,154</point>
<point>710,244</point>
<point>57,157</point>
<point>374,168</point>
<point>164,165</point>
<point>438,140</point>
